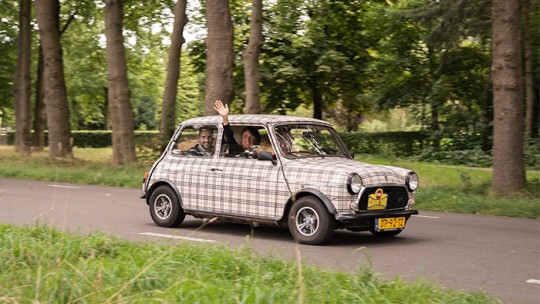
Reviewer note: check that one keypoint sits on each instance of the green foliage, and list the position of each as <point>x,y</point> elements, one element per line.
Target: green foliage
<point>430,58</point>
<point>475,157</point>
<point>101,139</point>
<point>190,91</point>
<point>434,59</point>
<point>41,264</point>
<point>390,144</point>
<point>315,52</point>
<point>8,59</point>
<point>532,154</point>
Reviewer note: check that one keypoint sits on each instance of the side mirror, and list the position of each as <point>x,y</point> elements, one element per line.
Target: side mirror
<point>266,156</point>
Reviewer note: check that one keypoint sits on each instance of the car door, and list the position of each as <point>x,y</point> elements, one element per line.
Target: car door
<point>248,187</point>
<point>189,169</point>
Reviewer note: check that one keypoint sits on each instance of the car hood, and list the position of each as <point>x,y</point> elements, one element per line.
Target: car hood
<point>336,169</point>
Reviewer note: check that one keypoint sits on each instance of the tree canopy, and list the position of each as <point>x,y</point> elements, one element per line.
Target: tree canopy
<point>343,60</point>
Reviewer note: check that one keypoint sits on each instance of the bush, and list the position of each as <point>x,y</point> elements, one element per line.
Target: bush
<point>472,157</point>
<point>399,144</point>
<point>100,138</point>
<point>532,154</point>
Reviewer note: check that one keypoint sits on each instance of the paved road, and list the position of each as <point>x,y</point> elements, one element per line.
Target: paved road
<point>497,255</point>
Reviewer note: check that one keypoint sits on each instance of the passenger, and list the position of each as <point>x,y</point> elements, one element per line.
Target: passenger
<point>204,147</point>
<point>250,135</point>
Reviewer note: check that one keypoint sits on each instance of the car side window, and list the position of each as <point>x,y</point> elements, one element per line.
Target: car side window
<point>245,144</point>
<point>196,141</point>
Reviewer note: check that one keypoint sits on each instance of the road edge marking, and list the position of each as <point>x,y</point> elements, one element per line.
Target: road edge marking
<point>426,216</point>
<point>62,186</point>
<point>177,237</point>
<point>533,281</point>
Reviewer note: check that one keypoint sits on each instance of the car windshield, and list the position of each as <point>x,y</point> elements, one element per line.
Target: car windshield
<point>297,141</point>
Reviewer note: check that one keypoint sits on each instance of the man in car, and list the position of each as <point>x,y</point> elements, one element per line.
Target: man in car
<point>204,147</point>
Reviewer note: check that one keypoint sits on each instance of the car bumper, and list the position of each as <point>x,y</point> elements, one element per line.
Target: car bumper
<point>364,218</point>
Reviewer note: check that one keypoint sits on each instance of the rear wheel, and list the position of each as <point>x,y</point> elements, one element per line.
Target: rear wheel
<point>165,208</point>
<point>309,221</point>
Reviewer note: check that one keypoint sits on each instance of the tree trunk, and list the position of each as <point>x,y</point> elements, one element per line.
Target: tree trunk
<point>508,163</point>
<point>39,107</point>
<point>106,109</point>
<point>47,16</point>
<point>22,82</point>
<point>317,100</point>
<point>251,60</point>
<point>123,139</point>
<point>219,54</point>
<point>168,110</point>
<point>529,91</point>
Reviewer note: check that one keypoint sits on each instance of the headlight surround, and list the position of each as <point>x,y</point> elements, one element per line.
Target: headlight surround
<point>411,180</point>
<point>354,183</point>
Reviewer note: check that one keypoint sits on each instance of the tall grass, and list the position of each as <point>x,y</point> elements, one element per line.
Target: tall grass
<point>44,265</point>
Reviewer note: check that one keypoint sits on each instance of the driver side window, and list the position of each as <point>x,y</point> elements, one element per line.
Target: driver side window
<point>196,141</point>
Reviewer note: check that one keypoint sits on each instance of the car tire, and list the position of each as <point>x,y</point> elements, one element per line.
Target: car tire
<point>309,221</point>
<point>385,233</point>
<point>165,207</point>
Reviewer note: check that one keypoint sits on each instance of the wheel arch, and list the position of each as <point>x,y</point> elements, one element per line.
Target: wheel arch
<point>308,192</point>
<point>163,182</point>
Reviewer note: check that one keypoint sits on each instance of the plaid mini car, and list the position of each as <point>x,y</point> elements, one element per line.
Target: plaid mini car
<point>298,174</point>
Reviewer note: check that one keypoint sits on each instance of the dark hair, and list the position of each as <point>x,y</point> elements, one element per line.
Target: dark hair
<point>206,129</point>
<point>253,132</point>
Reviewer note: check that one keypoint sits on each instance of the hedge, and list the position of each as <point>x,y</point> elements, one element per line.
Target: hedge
<point>398,144</point>
<point>385,143</point>
<point>98,139</point>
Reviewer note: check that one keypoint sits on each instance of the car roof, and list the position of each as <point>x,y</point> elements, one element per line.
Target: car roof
<point>256,119</point>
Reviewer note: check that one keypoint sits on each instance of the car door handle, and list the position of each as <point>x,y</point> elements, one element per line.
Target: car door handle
<point>216,170</point>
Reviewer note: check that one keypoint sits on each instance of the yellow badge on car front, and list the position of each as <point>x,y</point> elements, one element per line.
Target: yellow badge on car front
<point>377,200</point>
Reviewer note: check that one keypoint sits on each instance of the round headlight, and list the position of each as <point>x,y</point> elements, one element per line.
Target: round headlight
<point>354,183</point>
<point>411,181</point>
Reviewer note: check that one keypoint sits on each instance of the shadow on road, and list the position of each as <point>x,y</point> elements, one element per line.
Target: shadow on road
<point>223,229</point>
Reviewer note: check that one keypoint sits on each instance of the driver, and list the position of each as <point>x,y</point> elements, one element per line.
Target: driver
<point>204,147</point>
<point>250,135</point>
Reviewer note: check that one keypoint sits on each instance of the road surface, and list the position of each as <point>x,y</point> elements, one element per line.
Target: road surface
<point>497,255</point>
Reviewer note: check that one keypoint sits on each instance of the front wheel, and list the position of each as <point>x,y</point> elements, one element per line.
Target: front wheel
<point>165,208</point>
<point>309,221</point>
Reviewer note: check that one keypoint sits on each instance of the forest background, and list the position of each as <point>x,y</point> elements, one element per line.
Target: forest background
<point>465,73</point>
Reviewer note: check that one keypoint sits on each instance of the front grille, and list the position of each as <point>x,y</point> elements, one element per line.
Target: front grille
<point>397,197</point>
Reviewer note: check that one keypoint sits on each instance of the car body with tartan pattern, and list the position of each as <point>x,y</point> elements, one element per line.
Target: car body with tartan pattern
<point>300,175</point>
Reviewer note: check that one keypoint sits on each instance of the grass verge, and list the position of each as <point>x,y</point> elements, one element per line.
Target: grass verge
<point>442,188</point>
<point>461,189</point>
<point>41,264</point>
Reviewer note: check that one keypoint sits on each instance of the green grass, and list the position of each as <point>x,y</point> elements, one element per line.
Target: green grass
<point>90,166</point>
<point>462,189</point>
<point>43,265</point>
<point>442,188</point>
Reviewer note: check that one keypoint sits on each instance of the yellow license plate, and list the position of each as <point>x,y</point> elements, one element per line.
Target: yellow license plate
<point>388,223</point>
